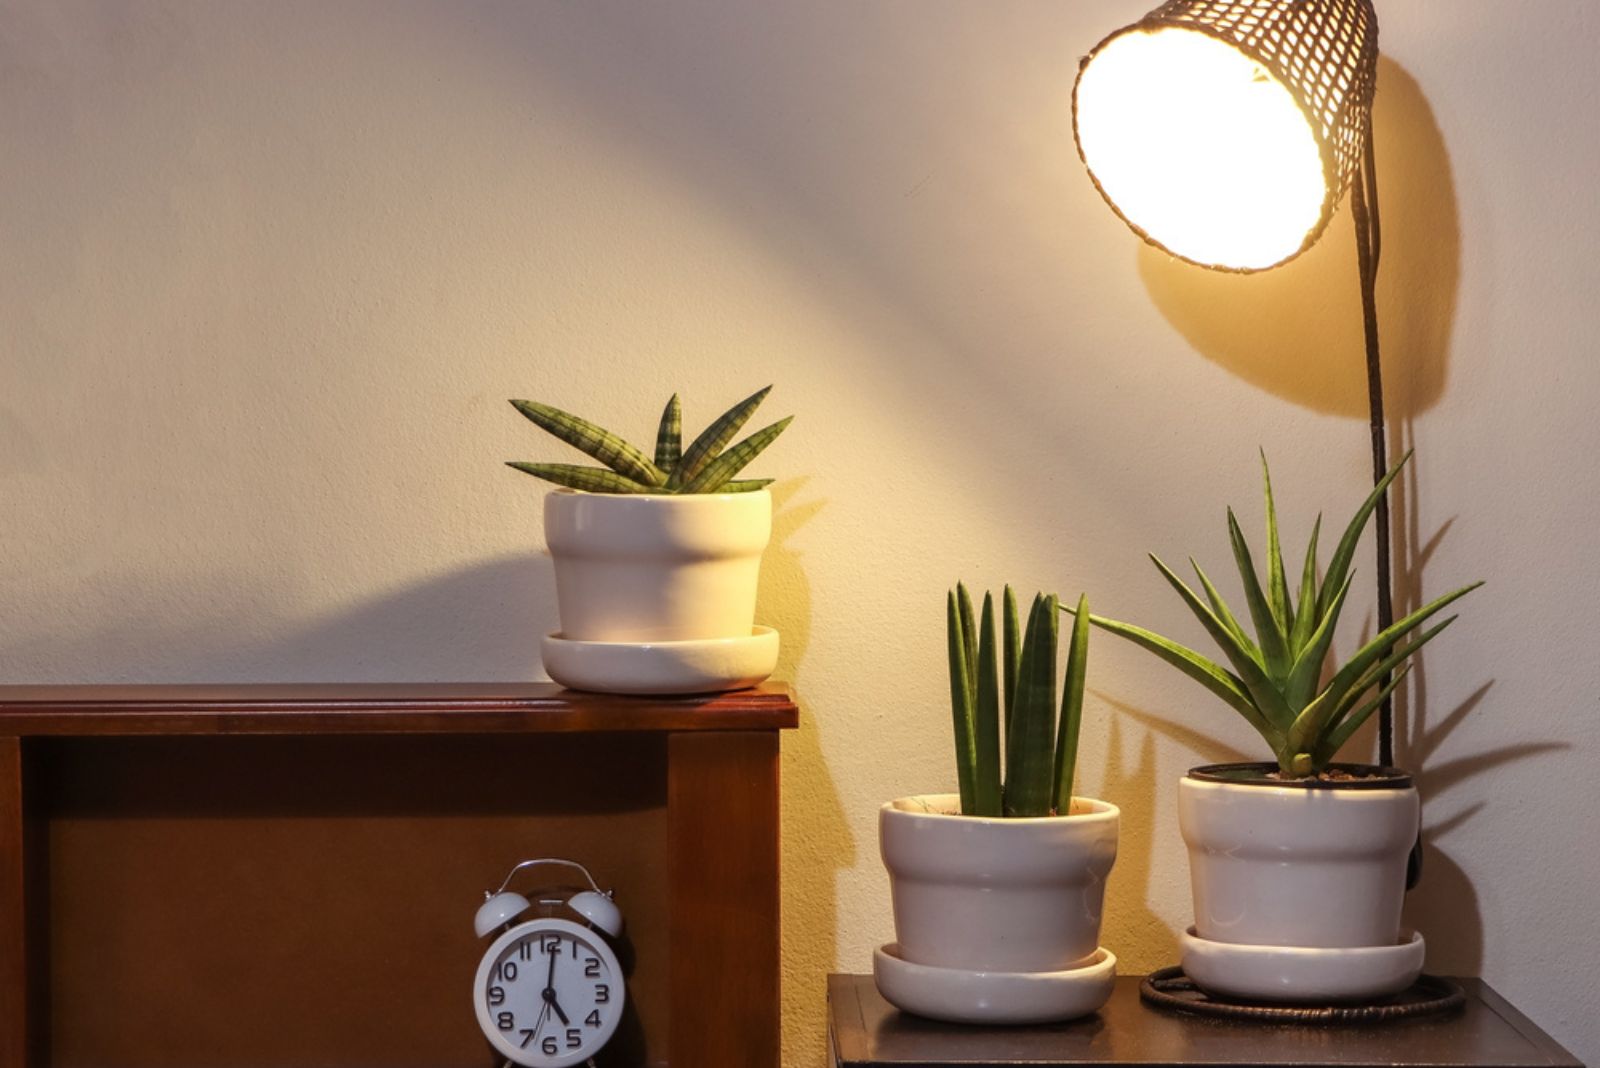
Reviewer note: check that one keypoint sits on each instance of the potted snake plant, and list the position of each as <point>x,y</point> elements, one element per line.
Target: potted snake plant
<point>998,888</point>
<point>660,549</point>
<point>1298,864</point>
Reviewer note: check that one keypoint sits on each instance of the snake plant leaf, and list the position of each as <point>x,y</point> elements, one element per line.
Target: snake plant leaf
<point>746,485</point>
<point>1274,651</point>
<point>1066,761</point>
<point>1301,685</point>
<point>986,731</point>
<point>1277,582</point>
<point>1220,607</point>
<point>595,441</point>
<point>1221,682</point>
<point>730,463</point>
<point>1306,614</point>
<point>1029,756</point>
<point>961,706</point>
<point>1402,652</point>
<point>714,438</point>
<point>1347,544</point>
<point>1341,732</point>
<point>1263,693</point>
<point>588,479</point>
<point>1313,721</point>
<point>969,631</point>
<point>669,435</point>
<point>1013,651</point>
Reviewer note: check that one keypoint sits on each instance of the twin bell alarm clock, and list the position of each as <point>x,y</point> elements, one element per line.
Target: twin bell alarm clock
<point>549,990</point>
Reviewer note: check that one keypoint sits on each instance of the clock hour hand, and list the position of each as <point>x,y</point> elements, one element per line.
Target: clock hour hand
<point>551,1003</point>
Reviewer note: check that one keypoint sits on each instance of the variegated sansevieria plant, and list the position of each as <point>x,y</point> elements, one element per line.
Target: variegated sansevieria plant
<point>1277,678</point>
<point>1041,752</point>
<point>707,465</point>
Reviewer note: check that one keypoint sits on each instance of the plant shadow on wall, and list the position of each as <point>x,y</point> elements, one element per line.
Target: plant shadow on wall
<point>1296,331</point>
<point>816,841</point>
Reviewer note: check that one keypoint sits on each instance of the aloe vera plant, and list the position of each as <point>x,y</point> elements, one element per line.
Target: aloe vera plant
<point>707,465</point>
<point>1277,679</point>
<point>1040,750</point>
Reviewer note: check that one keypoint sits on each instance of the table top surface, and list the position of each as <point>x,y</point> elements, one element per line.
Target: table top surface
<point>378,708</point>
<point>867,1032</point>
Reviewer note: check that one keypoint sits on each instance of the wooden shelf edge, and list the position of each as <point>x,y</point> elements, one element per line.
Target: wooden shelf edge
<point>377,708</point>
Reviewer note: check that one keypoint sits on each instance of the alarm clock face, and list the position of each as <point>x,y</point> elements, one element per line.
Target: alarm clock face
<point>548,993</point>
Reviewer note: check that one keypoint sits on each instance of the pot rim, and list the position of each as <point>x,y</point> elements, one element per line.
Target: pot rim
<point>1252,773</point>
<point>1100,812</point>
<point>684,499</point>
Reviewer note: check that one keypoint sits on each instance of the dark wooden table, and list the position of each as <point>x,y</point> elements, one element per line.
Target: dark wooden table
<point>265,875</point>
<point>864,1031</point>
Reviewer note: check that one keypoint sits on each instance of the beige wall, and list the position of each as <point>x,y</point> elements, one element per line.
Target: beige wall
<point>269,271</point>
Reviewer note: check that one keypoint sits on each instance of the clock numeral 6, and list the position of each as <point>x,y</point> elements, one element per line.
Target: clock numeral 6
<point>591,968</point>
<point>497,995</point>
<point>549,1045</point>
<point>505,1021</point>
<point>602,993</point>
<point>574,1038</point>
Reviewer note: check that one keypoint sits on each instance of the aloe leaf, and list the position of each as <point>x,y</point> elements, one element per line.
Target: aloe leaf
<point>961,707</point>
<point>1030,758</point>
<point>730,463</point>
<point>1220,607</point>
<point>1277,582</point>
<point>594,441</point>
<point>1221,682</point>
<point>1274,654</point>
<point>1013,651</point>
<point>1352,535</point>
<point>1306,614</point>
<point>986,731</point>
<point>746,485</point>
<point>1263,691</point>
<point>1311,723</point>
<point>1307,670</point>
<point>589,479</point>
<point>669,435</point>
<point>1066,757</point>
<point>1329,745</point>
<point>714,438</point>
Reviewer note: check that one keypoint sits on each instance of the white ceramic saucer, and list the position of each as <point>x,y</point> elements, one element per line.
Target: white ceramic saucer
<point>1301,975</point>
<point>708,666</point>
<point>958,996</point>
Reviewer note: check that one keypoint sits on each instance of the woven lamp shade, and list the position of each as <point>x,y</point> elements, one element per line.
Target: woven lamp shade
<point>1227,131</point>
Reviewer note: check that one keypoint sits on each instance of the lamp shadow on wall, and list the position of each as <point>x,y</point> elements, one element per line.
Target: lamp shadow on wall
<point>1295,331</point>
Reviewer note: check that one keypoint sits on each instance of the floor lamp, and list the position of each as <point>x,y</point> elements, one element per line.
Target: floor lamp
<point>1225,132</point>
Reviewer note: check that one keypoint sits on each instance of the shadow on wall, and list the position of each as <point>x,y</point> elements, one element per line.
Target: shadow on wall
<point>816,842</point>
<point>1295,331</point>
<point>479,624</point>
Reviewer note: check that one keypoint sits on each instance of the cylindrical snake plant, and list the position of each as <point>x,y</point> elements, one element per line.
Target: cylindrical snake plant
<point>707,465</point>
<point>1041,750</point>
<point>1276,682</point>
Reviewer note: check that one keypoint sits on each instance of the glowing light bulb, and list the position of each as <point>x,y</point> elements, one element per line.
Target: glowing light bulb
<point>1201,148</point>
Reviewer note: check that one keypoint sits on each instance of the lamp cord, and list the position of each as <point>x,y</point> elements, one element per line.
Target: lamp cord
<point>1369,245</point>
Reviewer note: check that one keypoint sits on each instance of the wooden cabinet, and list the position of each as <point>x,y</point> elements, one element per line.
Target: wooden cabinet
<point>286,875</point>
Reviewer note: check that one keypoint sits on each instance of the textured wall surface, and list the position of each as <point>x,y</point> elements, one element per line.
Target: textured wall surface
<point>269,271</point>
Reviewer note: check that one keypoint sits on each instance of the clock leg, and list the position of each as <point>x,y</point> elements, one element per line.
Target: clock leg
<point>722,811</point>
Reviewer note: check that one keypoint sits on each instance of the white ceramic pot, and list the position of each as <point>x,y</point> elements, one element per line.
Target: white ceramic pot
<point>1311,865</point>
<point>656,567</point>
<point>996,895</point>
